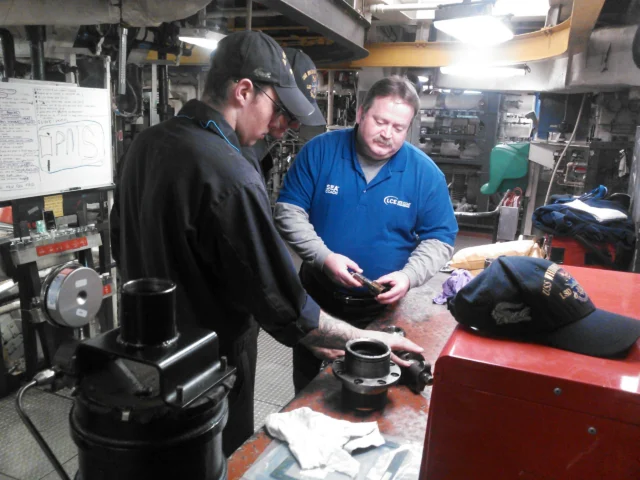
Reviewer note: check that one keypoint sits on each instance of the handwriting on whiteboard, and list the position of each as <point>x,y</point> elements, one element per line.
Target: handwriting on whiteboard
<point>53,139</point>
<point>71,145</point>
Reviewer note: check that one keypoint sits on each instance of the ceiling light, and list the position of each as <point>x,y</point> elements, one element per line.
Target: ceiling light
<point>476,71</point>
<point>479,30</point>
<point>201,37</point>
<point>423,79</point>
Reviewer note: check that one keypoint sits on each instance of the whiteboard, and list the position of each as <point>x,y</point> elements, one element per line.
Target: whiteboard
<point>53,138</point>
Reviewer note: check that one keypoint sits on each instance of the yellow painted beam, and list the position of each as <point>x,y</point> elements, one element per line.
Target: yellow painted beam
<point>530,47</point>
<point>584,15</point>
<point>199,56</point>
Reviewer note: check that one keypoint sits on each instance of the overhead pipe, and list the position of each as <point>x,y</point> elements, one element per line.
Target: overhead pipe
<point>163,89</point>
<point>404,7</point>
<point>122,61</point>
<point>249,14</point>
<point>8,53</point>
<point>36,34</point>
<point>138,13</point>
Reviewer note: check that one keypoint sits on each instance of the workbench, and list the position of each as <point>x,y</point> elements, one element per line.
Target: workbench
<point>430,326</point>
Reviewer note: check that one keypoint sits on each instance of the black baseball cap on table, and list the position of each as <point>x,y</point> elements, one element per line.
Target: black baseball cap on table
<point>306,75</point>
<point>536,300</point>
<point>259,58</point>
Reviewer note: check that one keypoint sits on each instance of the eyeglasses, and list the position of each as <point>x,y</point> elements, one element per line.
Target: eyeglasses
<point>280,109</point>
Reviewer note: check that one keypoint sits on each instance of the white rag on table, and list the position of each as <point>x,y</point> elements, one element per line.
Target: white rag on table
<point>322,444</point>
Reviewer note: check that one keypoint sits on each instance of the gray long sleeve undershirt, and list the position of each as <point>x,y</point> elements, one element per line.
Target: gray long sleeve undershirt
<point>293,224</point>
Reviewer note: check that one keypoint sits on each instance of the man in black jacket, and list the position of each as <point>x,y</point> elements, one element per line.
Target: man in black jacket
<point>191,208</point>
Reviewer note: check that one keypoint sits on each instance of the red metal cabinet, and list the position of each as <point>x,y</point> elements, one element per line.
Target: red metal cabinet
<point>509,410</point>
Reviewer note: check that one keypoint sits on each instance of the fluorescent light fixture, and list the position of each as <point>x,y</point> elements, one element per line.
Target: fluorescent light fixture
<point>477,71</point>
<point>479,30</point>
<point>201,37</point>
<point>423,79</point>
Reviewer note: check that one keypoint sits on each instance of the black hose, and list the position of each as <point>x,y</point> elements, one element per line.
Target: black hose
<point>36,434</point>
<point>36,35</point>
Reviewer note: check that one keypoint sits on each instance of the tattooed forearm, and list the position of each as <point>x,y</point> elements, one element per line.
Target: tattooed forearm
<point>331,333</point>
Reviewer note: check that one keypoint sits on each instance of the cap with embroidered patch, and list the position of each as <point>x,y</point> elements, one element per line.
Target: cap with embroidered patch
<point>536,300</point>
<point>306,75</point>
<point>259,58</point>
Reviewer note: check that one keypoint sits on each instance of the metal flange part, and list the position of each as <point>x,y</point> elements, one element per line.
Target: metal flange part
<point>366,372</point>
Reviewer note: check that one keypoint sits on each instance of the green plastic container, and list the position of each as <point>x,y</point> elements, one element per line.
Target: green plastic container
<point>508,168</point>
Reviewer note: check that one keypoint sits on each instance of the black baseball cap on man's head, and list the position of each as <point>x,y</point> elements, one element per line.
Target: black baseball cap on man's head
<point>536,300</point>
<point>306,75</point>
<point>259,58</point>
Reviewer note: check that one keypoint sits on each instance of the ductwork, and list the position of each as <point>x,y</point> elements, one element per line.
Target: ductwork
<point>135,13</point>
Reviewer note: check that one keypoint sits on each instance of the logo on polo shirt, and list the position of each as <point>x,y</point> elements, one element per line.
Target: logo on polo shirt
<point>332,189</point>
<point>390,200</point>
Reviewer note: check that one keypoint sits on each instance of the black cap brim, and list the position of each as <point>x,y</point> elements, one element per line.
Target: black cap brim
<point>599,334</point>
<point>294,101</point>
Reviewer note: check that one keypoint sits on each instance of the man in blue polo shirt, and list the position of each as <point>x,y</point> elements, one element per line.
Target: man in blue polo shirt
<point>365,200</point>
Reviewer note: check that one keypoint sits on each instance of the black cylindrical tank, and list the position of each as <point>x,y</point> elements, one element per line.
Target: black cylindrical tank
<point>154,405</point>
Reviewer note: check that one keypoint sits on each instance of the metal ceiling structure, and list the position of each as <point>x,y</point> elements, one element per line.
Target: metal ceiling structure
<point>546,43</point>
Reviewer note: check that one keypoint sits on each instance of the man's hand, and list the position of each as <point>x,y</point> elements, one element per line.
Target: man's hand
<point>396,343</point>
<point>326,353</point>
<point>337,267</point>
<point>399,282</point>
<point>333,334</point>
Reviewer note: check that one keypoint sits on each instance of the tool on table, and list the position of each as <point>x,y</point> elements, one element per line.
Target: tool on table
<point>418,375</point>
<point>374,287</point>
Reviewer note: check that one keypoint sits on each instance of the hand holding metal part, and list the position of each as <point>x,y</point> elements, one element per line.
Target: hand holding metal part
<point>374,287</point>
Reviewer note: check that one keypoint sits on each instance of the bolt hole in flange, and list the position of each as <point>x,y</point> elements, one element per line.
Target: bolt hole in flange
<point>366,372</point>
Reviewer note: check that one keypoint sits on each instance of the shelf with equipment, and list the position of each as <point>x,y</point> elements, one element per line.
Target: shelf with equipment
<point>458,131</point>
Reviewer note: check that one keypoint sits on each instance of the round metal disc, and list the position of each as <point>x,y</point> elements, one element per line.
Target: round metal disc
<point>74,296</point>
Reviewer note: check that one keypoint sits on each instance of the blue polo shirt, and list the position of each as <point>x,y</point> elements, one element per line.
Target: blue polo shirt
<point>378,224</point>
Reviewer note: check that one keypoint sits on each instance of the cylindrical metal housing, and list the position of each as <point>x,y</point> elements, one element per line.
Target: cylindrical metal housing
<point>366,373</point>
<point>71,295</point>
<point>367,358</point>
<point>124,430</point>
<point>148,312</point>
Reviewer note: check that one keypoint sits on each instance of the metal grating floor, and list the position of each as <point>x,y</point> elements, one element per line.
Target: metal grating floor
<point>22,459</point>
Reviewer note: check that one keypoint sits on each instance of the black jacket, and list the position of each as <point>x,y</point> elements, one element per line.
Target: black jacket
<point>191,208</point>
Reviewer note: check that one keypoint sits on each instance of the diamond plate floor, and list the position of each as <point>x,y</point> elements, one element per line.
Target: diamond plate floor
<point>20,455</point>
<point>274,384</point>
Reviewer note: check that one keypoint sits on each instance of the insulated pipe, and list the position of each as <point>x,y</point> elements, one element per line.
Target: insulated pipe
<point>330,83</point>
<point>163,89</point>
<point>8,53</point>
<point>37,36</point>
<point>122,62</point>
